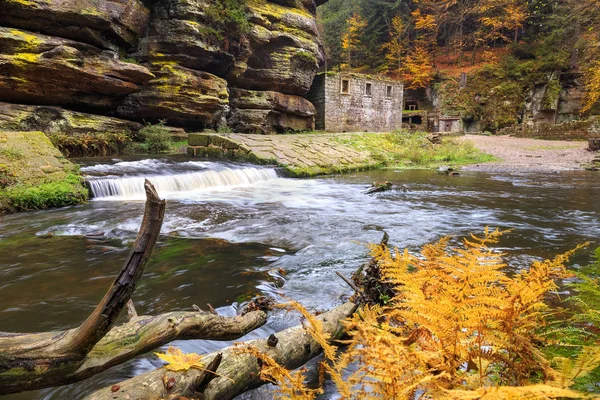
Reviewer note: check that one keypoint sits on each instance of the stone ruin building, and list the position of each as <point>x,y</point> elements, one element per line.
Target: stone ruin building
<point>349,102</point>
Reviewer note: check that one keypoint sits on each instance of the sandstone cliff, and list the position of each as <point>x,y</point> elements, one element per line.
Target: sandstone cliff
<point>109,65</point>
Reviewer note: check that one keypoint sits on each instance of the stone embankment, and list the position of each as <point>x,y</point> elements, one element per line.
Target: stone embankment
<point>299,155</point>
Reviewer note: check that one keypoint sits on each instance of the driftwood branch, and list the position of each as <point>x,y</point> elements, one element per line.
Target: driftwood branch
<point>237,372</point>
<point>29,361</point>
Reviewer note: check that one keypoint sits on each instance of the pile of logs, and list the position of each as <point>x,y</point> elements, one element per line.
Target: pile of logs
<point>31,361</point>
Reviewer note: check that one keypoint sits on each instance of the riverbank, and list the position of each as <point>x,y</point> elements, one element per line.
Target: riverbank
<point>529,155</point>
<point>311,154</point>
<point>35,175</point>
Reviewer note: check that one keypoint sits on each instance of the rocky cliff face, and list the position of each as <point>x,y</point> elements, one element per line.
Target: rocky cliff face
<point>197,64</point>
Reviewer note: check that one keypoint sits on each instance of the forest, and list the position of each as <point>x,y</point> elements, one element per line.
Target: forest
<point>428,42</point>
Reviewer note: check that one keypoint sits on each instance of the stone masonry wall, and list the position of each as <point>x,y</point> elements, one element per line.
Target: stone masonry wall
<point>574,130</point>
<point>356,110</point>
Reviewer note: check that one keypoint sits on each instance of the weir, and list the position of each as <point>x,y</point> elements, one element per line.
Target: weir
<point>170,178</point>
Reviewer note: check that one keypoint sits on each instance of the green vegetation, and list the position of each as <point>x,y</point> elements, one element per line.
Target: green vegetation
<point>226,19</point>
<point>156,138</point>
<point>35,175</point>
<point>23,197</point>
<point>87,145</point>
<point>11,154</point>
<point>405,149</point>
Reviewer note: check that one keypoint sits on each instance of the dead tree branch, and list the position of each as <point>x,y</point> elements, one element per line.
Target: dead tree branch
<point>237,372</point>
<point>36,360</point>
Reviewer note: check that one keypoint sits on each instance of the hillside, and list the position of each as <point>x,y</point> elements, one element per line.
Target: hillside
<point>495,63</point>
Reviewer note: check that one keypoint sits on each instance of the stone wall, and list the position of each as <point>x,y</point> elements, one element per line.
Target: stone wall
<point>352,108</point>
<point>574,130</point>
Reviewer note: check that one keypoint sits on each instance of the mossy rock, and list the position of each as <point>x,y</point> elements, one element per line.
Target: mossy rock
<point>35,175</point>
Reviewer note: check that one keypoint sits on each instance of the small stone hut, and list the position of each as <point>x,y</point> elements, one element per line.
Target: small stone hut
<point>349,102</point>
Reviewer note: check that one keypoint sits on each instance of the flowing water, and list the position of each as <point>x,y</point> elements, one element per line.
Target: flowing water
<point>232,231</point>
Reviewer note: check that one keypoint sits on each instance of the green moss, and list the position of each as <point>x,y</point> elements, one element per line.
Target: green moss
<point>308,172</point>
<point>550,99</point>
<point>69,191</point>
<point>306,58</point>
<point>90,145</point>
<point>25,58</point>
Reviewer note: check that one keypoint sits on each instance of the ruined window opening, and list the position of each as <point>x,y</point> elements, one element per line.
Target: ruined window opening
<point>389,92</point>
<point>368,88</point>
<point>345,86</point>
<point>412,107</point>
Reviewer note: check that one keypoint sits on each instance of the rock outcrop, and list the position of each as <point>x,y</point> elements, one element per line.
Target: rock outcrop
<point>35,175</point>
<point>194,63</point>
<point>18,117</point>
<point>261,112</point>
<point>40,69</point>
<point>109,24</point>
<point>179,95</point>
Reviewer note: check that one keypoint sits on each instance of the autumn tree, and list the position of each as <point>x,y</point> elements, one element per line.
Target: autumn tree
<point>352,44</point>
<point>396,47</point>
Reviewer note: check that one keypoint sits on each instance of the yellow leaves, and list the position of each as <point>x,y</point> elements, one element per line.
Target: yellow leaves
<point>178,361</point>
<point>591,85</point>
<point>458,327</point>
<point>290,384</point>
<point>529,392</point>
<point>314,328</point>
<point>418,67</point>
<point>424,22</point>
<point>351,38</point>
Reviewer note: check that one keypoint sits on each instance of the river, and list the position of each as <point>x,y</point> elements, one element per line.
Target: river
<point>232,231</point>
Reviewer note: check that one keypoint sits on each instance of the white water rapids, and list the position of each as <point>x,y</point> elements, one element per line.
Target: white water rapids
<point>125,180</point>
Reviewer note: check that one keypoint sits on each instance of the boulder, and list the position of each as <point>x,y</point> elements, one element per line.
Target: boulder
<point>40,69</point>
<point>104,23</point>
<point>283,50</point>
<point>19,117</point>
<point>269,112</point>
<point>179,95</point>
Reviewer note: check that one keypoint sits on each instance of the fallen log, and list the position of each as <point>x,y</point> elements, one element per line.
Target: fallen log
<point>237,372</point>
<point>36,360</point>
<point>145,333</point>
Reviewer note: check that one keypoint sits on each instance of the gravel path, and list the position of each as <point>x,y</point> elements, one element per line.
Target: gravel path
<point>529,155</point>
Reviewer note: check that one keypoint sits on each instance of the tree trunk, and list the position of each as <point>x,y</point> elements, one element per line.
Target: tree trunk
<point>237,372</point>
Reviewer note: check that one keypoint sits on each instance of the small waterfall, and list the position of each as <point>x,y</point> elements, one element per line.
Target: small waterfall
<point>132,188</point>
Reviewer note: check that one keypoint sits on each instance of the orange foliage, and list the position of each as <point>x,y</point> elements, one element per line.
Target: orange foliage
<point>458,327</point>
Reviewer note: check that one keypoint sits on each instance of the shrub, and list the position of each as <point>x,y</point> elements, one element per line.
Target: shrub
<point>91,145</point>
<point>157,137</point>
